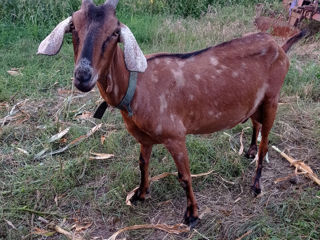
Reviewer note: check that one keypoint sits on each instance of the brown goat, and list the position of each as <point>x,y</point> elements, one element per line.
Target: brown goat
<point>176,94</point>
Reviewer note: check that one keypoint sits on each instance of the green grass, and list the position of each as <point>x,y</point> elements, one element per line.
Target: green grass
<point>96,189</point>
<point>37,12</point>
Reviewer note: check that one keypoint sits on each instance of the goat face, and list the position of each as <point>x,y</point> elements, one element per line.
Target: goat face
<point>95,33</point>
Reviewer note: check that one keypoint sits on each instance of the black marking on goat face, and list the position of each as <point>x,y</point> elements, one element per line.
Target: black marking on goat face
<point>96,13</point>
<point>95,17</point>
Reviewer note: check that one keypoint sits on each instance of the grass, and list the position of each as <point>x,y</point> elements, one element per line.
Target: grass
<point>82,190</point>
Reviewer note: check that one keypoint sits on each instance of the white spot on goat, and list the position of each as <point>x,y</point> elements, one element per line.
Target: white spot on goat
<point>157,61</point>
<point>210,113</point>
<point>163,103</point>
<point>172,117</point>
<point>235,74</point>
<point>260,95</point>
<point>178,76</point>
<point>214,61</point>
<point>181,64</point>
<point>191,97</point>
<point>197,76</point>
<point>154,78</point>
<point>159,129</point>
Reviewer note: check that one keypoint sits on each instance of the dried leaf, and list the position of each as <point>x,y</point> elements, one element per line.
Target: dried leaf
<point>64,91</point>
<point>130,195</point>
<point>288,177</point>
<point>241,143</point>
<point>38,155</point>
<point>14,72</point>
<point>201,174</point>
<point>58,135</point>
<point>174,229</point>
<point>244,235</point>
<point>226,181</point>
<point>10,224</point>
<point>64,232</point>
<point>43,220</point>
<point>157,178</point>
<point>80,228</point>
<point>56,200</point>
<point>70,145</point>
<point>23,151</point>
<point>4,105</point>
<point>100,156</point>
<point>300,166</point>
<point>42,232</point>
<point>84,116</point>
<point>205,212</point>
<point>102,139</point>
<point>63,140</point>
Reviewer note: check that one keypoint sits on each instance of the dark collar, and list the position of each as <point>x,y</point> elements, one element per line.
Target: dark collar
<point>126,100</point>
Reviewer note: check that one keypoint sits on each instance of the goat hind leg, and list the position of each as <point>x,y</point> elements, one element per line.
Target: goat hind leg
<point>269,113</point>
<point>144,159</point>
<point>178,150</point>
<point>252,151</point>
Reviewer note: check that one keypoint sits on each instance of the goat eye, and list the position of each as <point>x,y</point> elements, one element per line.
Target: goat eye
<point>72,28</point>
<point>116,33</point>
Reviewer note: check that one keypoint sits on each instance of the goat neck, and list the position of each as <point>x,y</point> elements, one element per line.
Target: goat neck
<point>114,85</point>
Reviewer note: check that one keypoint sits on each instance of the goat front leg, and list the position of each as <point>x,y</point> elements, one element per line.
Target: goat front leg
<point>144,159</point>
<point>178,150</point>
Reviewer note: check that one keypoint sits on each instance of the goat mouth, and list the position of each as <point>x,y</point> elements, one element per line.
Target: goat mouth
<point>85,86</point>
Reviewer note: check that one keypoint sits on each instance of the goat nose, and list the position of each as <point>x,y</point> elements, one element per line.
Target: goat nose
<point>83,76</point>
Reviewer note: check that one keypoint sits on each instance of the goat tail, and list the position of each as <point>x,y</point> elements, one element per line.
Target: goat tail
<point>288,44</point>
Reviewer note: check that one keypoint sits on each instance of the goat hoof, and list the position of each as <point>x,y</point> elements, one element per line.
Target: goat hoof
<point>256,190</point>
<point>252,152</point>
<point>249,155</point>
<point>191,221</point>
<point>189,217</point>
<point>137,197</point>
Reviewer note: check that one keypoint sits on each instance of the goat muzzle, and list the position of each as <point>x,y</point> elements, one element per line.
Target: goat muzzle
<point>84,79</point>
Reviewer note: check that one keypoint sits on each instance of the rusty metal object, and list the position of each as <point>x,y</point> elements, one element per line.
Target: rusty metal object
<point>302,9</point>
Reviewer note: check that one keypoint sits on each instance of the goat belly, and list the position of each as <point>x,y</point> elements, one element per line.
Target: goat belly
<point>223,108</point>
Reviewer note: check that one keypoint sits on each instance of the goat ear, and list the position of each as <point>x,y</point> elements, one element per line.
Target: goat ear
<point>52,43</point>
<point>133,56</point>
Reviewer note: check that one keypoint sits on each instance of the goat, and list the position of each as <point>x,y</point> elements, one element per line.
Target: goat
<point>175,94</point>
